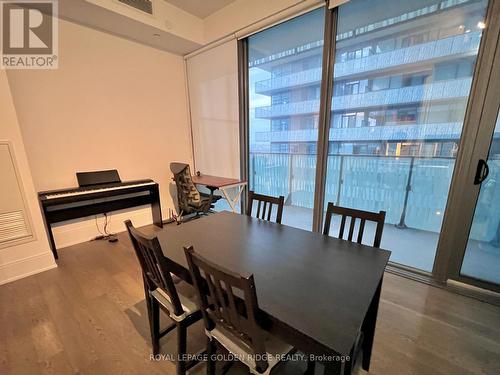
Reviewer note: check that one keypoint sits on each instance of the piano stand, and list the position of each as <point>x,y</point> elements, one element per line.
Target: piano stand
<point>62,209</point>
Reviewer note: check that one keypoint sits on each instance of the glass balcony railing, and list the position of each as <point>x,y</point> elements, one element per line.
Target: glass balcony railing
<point>449,89</point>
<point>454,46</point>
<point>303,77</point>
<point>436,131</point>
<point>412,190</point>
<point>288,109</point>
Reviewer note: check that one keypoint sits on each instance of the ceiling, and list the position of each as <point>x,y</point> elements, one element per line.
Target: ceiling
<point>99,18</point>
<point>200,8</point>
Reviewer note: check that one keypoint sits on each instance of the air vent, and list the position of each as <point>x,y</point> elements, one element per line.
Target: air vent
<point>13,225</point>
<point>142,5</point>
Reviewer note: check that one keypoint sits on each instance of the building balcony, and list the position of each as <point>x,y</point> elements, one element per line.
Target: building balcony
<point>441,90</point>
<point>288,109</point>
<point>458,45</point>
<point>436,131</point>
<point>412,190</point>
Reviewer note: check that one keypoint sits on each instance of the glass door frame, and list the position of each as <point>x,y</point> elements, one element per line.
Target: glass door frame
<point>479,125</point>
<point>325,113</point>
<point>448,259</point>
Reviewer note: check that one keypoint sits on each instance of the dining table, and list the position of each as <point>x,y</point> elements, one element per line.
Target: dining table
<point>315,292</point>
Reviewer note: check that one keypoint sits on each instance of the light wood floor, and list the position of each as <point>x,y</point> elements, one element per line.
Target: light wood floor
<point>88,317</point>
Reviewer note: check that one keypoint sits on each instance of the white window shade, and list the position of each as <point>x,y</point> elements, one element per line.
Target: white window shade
<point>213,99</point>
<point>336,3</point>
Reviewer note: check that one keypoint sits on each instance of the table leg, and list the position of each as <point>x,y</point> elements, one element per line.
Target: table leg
<point>332,368</point>
<point>50,235</point>
<point>233,201</point>
<point>156,207</point>
<point>368,327</point>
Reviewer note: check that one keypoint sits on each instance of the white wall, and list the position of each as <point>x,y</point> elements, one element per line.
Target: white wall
<point>34,256</point>
<point>112,103</point>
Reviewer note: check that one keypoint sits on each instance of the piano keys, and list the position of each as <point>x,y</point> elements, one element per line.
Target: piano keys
<point>73,203</point>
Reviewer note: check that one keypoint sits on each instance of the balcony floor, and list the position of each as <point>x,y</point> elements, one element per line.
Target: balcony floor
<point>410,247</point>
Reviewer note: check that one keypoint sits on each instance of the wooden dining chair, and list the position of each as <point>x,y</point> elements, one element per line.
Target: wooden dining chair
<point>353,214</point>
<point>267,207</point>
<point>162,292</point>
<point>231,321</point>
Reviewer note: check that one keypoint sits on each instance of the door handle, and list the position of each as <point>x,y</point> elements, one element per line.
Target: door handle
<point>482,172</point>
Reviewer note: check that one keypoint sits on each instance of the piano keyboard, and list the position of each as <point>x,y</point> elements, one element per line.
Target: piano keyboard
<point>94,190</point>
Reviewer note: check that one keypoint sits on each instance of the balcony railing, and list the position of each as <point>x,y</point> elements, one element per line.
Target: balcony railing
<point>412,190</point>
<point>463,44</point>
<point>295,108</point>
<point>447,130</point>
<point>440,90</point>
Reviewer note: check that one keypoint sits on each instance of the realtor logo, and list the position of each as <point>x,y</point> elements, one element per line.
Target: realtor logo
<point>29,34</point>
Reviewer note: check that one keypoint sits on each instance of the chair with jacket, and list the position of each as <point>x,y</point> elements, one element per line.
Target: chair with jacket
<point>189,199</point>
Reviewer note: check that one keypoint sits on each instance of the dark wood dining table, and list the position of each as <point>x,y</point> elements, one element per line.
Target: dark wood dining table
<point>315,292</point>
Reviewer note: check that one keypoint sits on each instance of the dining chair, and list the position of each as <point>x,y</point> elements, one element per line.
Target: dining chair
<point>231,321</point>
<point>353,214</point>
<point>161,291</point>
<point>267,207</point>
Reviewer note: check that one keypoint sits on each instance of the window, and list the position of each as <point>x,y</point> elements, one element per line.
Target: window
<point>280,99</point>
<point>380,83</point>
<point>379,138</point>
<point>368,168</point>
<point>445,71</point>
<point>289,169</point>
<point>278,125</point>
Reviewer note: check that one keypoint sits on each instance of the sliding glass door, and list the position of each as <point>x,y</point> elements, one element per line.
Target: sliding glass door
<point>402,76</point>
<point>284,69</point>
<point>482,255</point>
<point>474,215</point>
<point>399,85</point>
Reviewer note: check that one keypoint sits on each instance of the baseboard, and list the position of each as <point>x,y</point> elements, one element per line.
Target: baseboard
<point>73,232</point>
<point>31,265</point>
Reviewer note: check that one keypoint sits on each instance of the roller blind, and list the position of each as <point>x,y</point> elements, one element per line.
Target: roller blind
<point>336,3</point>
<point>213,99</point>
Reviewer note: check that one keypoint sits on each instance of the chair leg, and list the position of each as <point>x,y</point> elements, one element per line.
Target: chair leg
<point>211,351</point>
<point>311,366</point>
<point>181,348</point>
<point>154,325</point>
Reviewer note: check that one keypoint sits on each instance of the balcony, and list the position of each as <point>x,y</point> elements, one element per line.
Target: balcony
<point>437,131</point>
<point>441,90</point>
<point>289,109</point>
<point>458,45</point>
<point>413,191</point>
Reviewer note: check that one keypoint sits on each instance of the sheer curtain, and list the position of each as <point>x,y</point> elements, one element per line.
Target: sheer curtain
<point>213,99</point>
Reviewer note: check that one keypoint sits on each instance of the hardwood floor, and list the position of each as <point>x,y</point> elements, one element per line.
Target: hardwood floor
<point>88,317</point>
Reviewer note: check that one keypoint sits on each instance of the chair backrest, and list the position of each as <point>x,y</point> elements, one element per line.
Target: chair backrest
<point>363,216</point>
<point>267,207</point>
<point>216,288</point>
<point>187,193</point>
<point>154,265</point>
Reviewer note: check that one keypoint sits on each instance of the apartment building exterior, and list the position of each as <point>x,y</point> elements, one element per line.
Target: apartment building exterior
<point>400,86</point>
